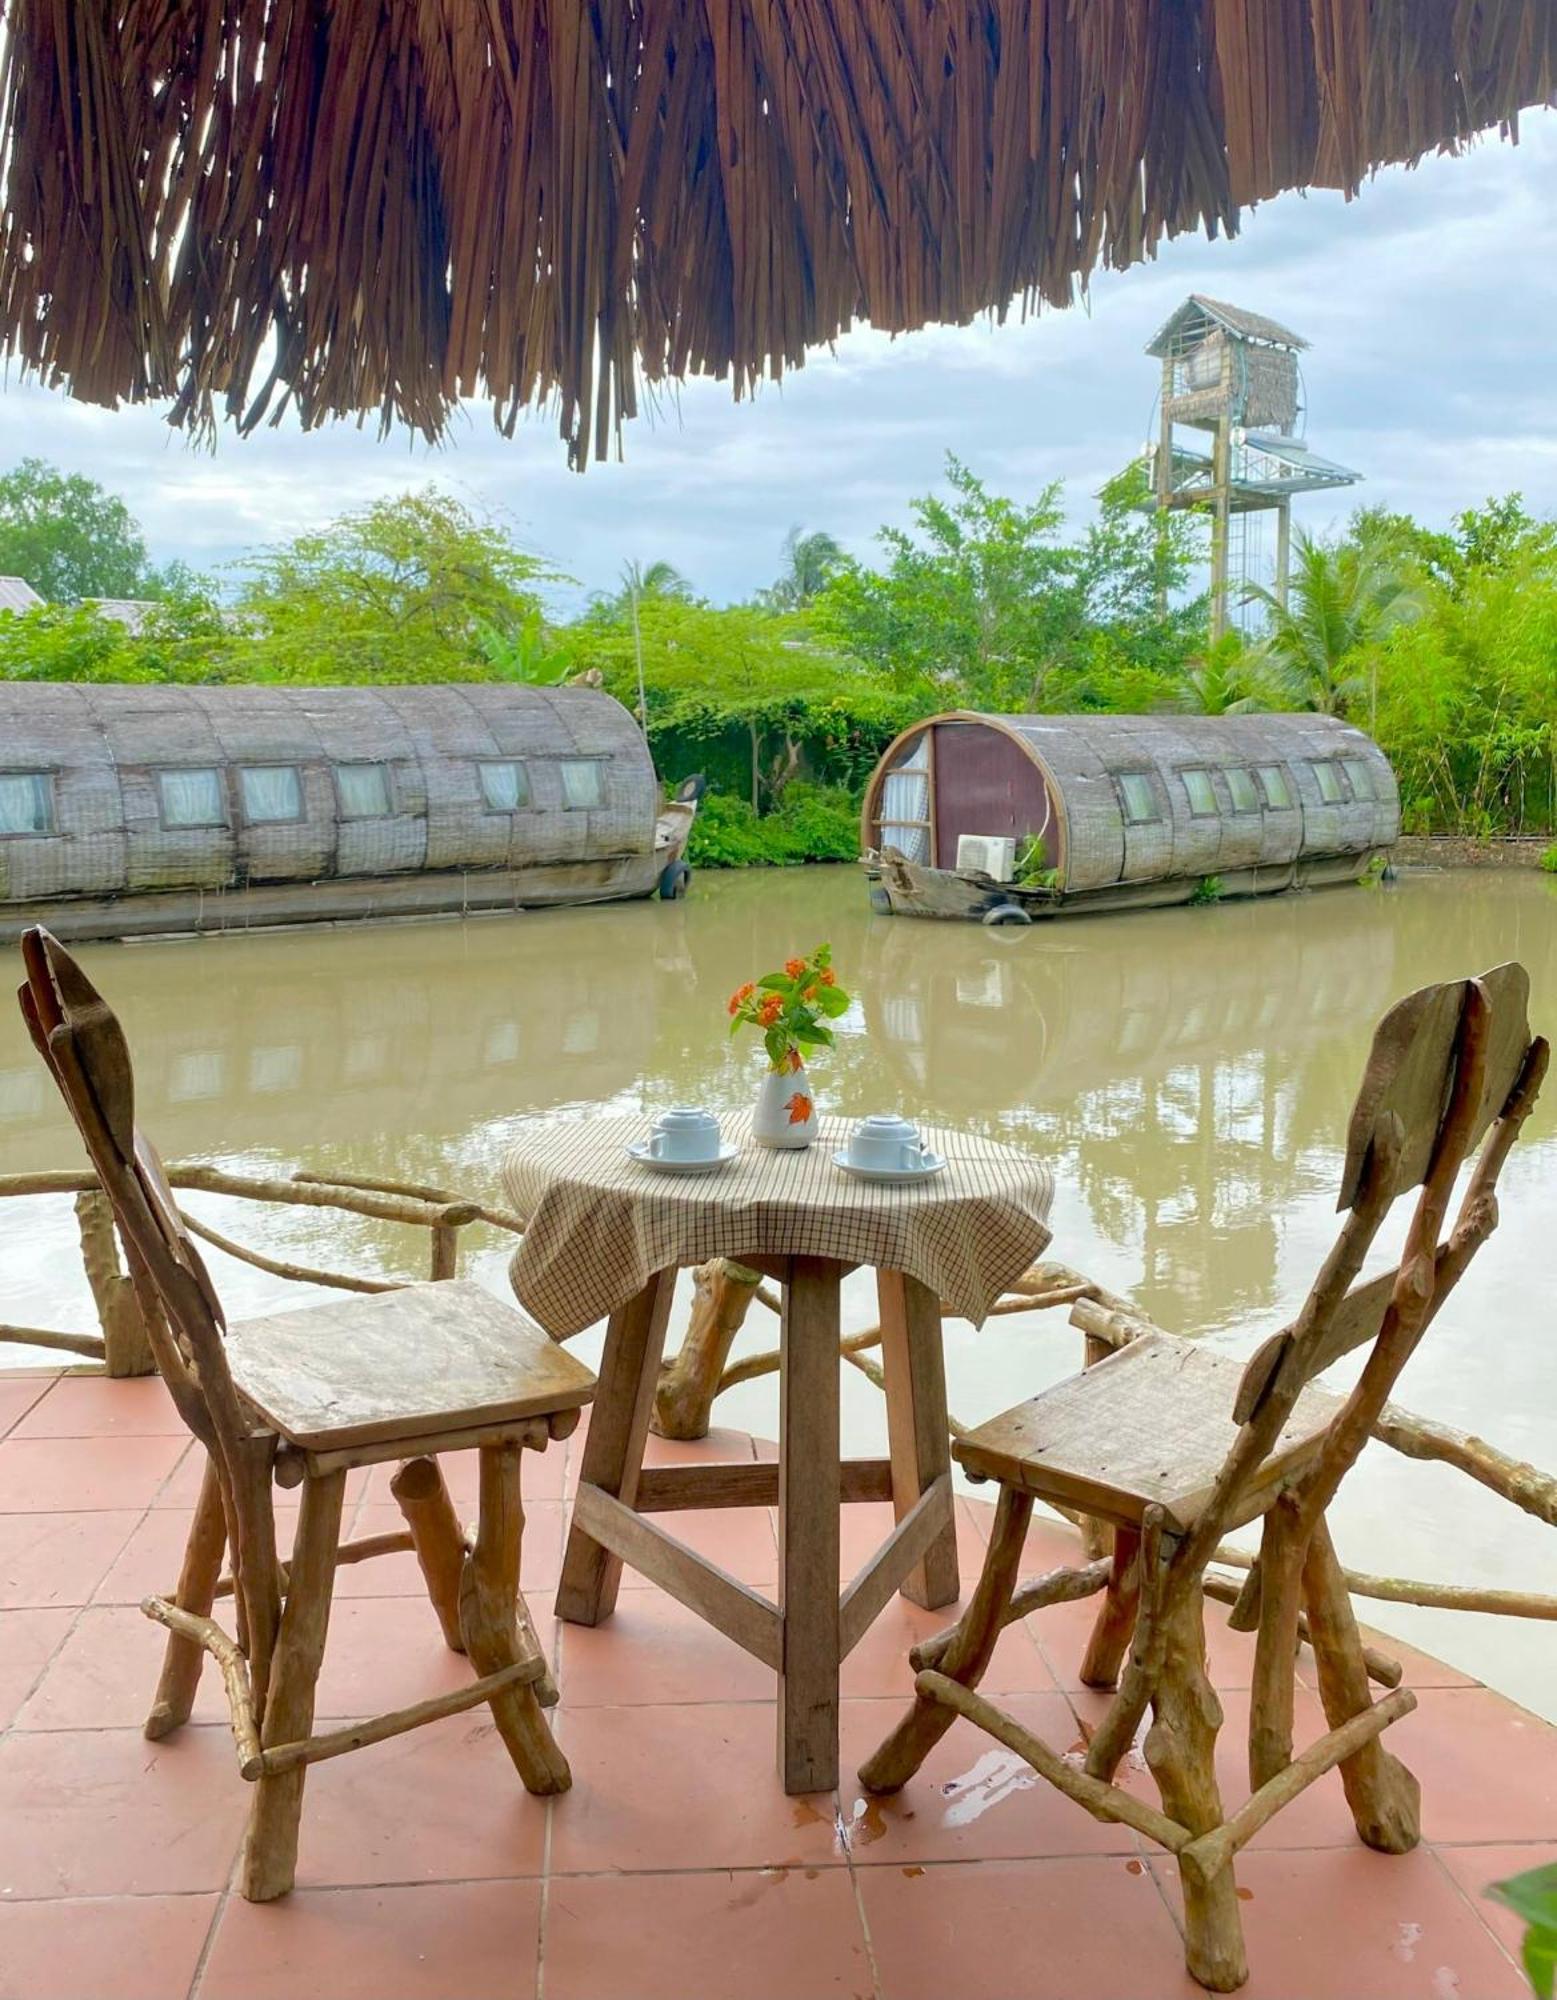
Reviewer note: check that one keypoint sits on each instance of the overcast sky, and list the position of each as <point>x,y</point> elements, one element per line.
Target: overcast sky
<point>1430,302</point>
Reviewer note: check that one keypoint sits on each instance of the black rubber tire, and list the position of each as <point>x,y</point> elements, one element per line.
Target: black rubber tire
<point>674,878</point>
<point>880,901</point>
<point>1006,913</point>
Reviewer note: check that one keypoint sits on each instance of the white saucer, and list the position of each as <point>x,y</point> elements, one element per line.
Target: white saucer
<point>640,1152</point>
<point>894,1176</point>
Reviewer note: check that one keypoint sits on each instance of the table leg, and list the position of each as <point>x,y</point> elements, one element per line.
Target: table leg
<point>613,1444</point>
<point>914,1364</point>
<point>809,1483</point>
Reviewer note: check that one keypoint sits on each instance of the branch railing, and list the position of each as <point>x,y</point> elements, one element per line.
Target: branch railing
<point>701,1370</point>
<point>121,1342</point>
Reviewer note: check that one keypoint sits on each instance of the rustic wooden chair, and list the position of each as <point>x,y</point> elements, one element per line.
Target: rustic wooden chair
<point>1175,1445</point>
<point>298,1399</point>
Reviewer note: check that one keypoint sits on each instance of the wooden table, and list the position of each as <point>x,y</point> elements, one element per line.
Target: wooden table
<point>987,1215</point>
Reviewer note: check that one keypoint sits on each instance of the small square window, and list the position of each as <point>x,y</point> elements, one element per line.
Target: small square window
<point>1273,782</point>
<point>271,792</point>
<point>363,790</point>
<point>1240,789</point>
<point>26,802</point>
<point>583,785</point>
<point>505,787</point>
<point>1360,775</point>
<point>1140,801</point>
<point>192,798</point>
<point>1328,779</point>
<point>1200,792</point>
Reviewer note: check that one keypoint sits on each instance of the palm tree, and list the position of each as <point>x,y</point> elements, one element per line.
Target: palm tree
<point>642,583</point>
<point>809,560</point>
<point>1228,678</point>
<point>1343,600</point>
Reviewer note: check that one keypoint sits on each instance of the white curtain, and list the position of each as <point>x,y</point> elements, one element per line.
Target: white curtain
<point>192,798</point>
<point>581,785</point>
<point>504,787</point>
<point>364,790</point>
<point>25,803</point>
<point>271,791</point>
<point>905,797</point>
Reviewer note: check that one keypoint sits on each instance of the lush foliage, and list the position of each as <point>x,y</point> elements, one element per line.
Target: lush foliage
<point>69,539</point>
<point>791,1009</point>
<point>1533,1896</point>
<point>1441,642</point>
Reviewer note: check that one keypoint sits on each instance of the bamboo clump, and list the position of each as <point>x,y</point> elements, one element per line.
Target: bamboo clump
<point>246,207</point>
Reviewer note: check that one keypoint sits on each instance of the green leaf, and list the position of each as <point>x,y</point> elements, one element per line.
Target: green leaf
<point>1540,1955</point>
<point>1532,1895</point>
<point>776,1042</point>
<point>776,982</point>
<point>737,1022</point>
<point>833,1001</point>
<point>812,1034</point>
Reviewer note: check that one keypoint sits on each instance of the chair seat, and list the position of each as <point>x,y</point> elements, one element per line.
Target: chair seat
<point>424,1359</point>
<point>1150,1425</point>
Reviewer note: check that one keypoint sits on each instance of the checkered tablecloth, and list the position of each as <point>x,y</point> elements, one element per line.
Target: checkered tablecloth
<point>600,1224</point>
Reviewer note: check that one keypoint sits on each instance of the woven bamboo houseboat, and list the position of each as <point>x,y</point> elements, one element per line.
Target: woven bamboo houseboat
<point>1011,817</point>
<point>134,810</point>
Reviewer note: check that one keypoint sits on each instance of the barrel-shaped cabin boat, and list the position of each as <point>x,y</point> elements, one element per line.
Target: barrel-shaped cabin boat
<point>1008,818</point>
<point>137,810</point>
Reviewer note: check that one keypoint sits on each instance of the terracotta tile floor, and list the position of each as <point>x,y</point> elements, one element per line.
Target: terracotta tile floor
<point>675,1868</point>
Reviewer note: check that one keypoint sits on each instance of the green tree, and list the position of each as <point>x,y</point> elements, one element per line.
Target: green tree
<point>1227,678</point>
<point>647,583</point>
<point>67,537</point>
<point>810,560</point>
<point>1343,601</point>
<point>402,591</point>
<point>183,638</point>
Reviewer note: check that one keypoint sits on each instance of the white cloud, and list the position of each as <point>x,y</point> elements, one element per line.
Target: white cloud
<point>1430,302</point>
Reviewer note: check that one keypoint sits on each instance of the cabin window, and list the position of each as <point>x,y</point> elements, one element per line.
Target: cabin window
<point>505,787</point>
<point>1240,789</point>
<point>270,792</point>
<point>26,802</point>
<point>363,791</point>
<point>1139,799</point>
<point>583,784</point>
<point>1360,775</point>
<point>192,798</point>
<point>1273,782</point>
<point>1328,779</point>
<point>1200,792</point>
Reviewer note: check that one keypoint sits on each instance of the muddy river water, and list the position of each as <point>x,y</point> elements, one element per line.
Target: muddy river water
<point>1187,1073</point>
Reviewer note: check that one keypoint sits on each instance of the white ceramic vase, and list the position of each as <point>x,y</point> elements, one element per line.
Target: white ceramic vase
<point>775,1121</point>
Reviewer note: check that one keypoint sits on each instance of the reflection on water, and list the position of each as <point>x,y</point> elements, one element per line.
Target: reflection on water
<point>1187,1073</point>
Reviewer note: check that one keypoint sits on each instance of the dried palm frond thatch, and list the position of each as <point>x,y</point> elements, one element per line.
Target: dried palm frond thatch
<point>384,205</point>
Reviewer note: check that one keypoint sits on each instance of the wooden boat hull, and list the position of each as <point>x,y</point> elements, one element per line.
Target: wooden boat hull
<point>903,888</point>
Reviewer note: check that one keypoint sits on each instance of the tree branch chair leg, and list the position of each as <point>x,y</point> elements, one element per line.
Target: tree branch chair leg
<point>1276,1644</point>
<point>967,1654</point>
<point>270,1850</point>
<point>1384,1796</point>
<point>197,1580</point>
<point>1115,1624</point>
<point>1180,1752</point>
<point>489,1620</point>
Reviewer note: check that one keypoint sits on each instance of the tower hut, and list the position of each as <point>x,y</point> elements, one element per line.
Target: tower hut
<point>1011,817</point>
<point>128,810</point>
<point>1235,376</point>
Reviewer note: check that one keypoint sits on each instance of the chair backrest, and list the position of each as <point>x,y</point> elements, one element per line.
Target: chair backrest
<point>81,1042</point>
<point>1451,1067</point>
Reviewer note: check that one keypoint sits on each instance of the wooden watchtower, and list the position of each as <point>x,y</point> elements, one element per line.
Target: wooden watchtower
<point>1235,376</point>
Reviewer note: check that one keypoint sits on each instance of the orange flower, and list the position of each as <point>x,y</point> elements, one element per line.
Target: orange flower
<point>770,1009</point>
<point>799,1108</point>
<point>741,995</point>
<point>794,967</point>
<point>808,992</point>
<point>829,978</point>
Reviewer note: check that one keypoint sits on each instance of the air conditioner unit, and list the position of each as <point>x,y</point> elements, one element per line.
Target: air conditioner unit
<point>989,853</point>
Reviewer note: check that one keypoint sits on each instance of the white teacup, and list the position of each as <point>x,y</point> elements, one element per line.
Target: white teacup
<point>685,1134</point>
<point>886,1144</point>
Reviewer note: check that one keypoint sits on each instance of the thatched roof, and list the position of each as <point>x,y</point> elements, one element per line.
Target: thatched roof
<point>1199,315</point>
<point>375,206</point>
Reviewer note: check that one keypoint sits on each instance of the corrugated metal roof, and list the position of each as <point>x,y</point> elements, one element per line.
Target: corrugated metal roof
<point>16,594</point>
<point>131,612</point>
